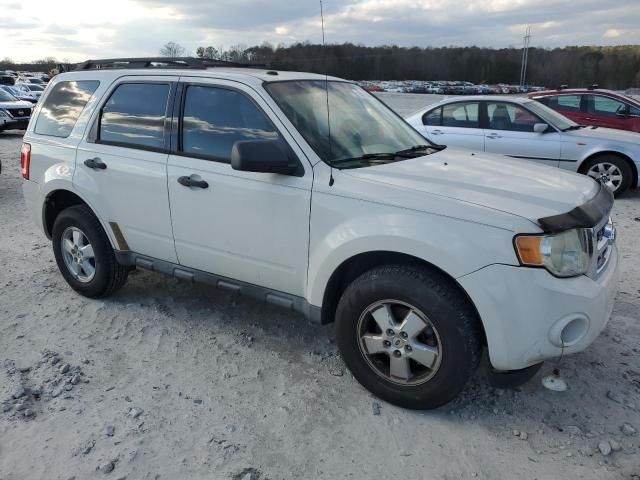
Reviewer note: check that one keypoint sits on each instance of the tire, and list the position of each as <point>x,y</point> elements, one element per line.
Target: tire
<point>602,164</point>
<point>452,329</point>
<point>97,276</point>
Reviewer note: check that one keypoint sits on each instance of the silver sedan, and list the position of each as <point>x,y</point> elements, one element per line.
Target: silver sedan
<point>523,128</point>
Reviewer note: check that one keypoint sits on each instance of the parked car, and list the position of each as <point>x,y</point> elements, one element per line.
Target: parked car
<point>526,129</point>
<point>6,79</point>
<point>421,254</point>
<point>600,108</point>
<point>19,94</point>
<point>14,113</point>
<point>33,89</point>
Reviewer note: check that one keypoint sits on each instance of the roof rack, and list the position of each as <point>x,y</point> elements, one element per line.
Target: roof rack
<point>594,86</point>
<point>160,62</point>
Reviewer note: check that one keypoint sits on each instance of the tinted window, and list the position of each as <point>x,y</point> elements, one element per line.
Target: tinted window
<point>63,106</point>
<point>434,117</point>
<point>215,118</point>
<point>634,111</point>
<point>605,106</point>
<point>463,115</point>
<point>135,115</point>
<point>569,102</point>
<point>508,116</point>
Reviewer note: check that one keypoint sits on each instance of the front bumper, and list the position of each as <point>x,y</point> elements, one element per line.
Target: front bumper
<point>528,313</point>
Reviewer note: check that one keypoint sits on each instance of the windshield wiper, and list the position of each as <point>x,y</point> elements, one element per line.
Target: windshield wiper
<point>573,127</point>
<point>388,156</point>
<point>418,148</point>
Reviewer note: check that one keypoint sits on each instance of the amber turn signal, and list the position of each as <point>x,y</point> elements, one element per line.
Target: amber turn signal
<point>529,250</point>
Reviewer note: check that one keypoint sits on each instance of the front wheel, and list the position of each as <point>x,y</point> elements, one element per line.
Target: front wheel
<point>612,171</point>
<point>408,335</point>
<point>84,255</point>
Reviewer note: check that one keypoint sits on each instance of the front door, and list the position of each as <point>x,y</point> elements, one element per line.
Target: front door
<point>610,113</point>
<point>121,166</point>
<point>252,227</point>
<point>510,132</point>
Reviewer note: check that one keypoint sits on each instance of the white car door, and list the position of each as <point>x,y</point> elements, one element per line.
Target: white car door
<point>454,124</point>
<point>510,131</point>
<point>122,162</point>
<point>247,226</point>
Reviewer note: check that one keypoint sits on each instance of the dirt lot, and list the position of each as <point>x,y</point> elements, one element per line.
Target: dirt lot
<point>167,380</point>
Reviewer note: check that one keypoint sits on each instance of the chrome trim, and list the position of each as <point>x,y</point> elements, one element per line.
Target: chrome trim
<point>603,237</point>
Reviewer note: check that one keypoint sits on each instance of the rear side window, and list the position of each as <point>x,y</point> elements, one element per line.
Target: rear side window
<point>462,115</point>
<point>63,106</point>
<point>134,116</point>
<point>215,118</point>
<point>569,102</point>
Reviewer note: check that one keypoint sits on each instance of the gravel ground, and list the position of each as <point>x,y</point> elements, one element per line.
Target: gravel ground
<point>166,380</point>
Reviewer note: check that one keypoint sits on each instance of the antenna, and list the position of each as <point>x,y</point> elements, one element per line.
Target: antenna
<point>326,88</point>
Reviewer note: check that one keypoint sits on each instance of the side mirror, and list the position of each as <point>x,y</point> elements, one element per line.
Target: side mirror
<point>540,127</point>
<point>263,156</point>
<point>623,111</point>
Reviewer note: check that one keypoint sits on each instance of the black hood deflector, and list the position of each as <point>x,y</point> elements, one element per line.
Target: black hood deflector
<point>587,215</point>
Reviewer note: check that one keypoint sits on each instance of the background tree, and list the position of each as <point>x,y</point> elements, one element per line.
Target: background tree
<point>172,49</point>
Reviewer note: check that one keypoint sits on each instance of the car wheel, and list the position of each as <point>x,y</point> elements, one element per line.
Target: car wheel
<point>408,335</point>
<point>611,170</point>
<point>84,255</point>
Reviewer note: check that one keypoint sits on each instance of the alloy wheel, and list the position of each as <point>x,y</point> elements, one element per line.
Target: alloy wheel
<point>607,173</point>
<point>78,254</point>
<point>399,342</point>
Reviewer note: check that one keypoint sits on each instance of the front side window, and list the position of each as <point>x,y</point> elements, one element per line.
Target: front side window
<point>356,131</point>
<point>134,115</point>
<point>606,106</point>
<point>462,115</point>
<point>511,117</point>
<point>216,118</point>
<point>63,106</point>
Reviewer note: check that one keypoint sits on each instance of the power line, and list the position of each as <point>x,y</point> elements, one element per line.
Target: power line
<point>525,57</point>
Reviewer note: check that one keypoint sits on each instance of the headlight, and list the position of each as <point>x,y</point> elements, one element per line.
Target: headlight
<point>565,254</point>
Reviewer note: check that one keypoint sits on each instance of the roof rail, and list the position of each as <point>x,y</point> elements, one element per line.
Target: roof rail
<point>594,86</point>
<point>160,62</point>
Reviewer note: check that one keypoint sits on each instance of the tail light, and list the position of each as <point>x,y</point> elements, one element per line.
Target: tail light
<point>25,160</point>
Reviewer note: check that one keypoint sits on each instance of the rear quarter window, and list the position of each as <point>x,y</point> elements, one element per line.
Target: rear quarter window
<point>62,107</point>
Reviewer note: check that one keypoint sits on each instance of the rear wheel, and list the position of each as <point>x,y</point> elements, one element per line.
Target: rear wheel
<point>408,335</point>
<point>84,255</point>
<point>612,171</point>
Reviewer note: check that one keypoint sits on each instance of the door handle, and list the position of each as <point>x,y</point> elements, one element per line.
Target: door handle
<point>494,135</point>
<point>590,119</point>
<point>95,163</point>
<point>192,182</point>
<point>437,132</point>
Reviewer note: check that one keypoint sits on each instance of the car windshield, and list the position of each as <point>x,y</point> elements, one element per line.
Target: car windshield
<point>359,131</point>
<point>551,116</point>
<point>33,87</point>
<point>6,96</point>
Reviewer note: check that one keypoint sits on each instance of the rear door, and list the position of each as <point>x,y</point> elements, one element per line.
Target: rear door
<point>247,226</point>
<point>122,162</point>
<point>510,132</point>
<point>454,124</point>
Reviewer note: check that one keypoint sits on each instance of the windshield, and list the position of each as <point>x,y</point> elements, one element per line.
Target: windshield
<point>6,96</point>
<point>364,131</point>
<point>33,87</point>
<point>551,116</point>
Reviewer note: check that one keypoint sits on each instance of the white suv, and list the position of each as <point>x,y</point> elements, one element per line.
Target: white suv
<point>309,193</point>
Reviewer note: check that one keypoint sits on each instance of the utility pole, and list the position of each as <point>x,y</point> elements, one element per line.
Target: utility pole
<point>525,57</point>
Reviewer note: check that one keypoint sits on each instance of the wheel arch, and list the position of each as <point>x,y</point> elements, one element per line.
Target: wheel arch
<point>358,264</point>
<point>56,201</point>
<point>623,156</point>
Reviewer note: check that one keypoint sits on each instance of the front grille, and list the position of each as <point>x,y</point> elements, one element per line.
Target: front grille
<point>603,238</point>
<point>19,112</point>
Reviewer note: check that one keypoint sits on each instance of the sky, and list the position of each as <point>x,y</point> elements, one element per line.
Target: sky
<point>76,30</point>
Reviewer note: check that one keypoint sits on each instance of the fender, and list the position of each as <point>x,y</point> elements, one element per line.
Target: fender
<point>446,247</point>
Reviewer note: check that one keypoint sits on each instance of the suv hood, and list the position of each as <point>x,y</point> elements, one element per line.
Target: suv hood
<point>517,187</point>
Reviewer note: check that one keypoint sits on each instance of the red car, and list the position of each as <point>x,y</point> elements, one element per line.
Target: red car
<point>600,108</point>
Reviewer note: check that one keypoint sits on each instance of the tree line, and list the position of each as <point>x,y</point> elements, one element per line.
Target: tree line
<point>615,67</point>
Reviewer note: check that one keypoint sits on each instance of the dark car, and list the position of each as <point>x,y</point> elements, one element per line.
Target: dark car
<point>596,107</point>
